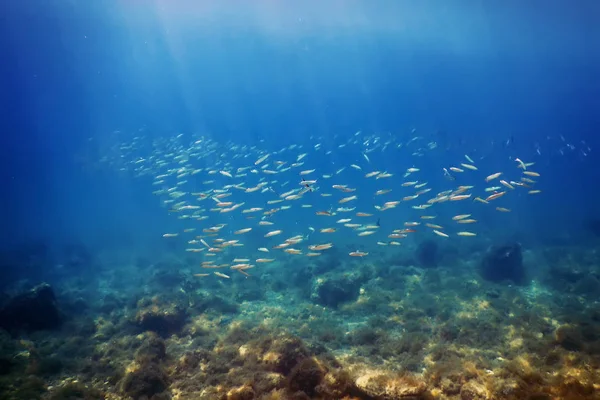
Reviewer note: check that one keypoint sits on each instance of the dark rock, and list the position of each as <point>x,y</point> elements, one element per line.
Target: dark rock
<point>164,322</point>
<point>285,353</point>
<point>215,303</point>
<point>365,336</point>
<point>46,366</point>
<point>306,376</point>
<point>76,391</point>
<point>474,391</point>
<point>5,365</point>
<point>153,349</point>
<point>23,261</point>
<point>148,380</point>
<point>31,387</point>
<point>504,263</point>
<point>110,303</point>
<point>31,311</point>
<point>332,290</point>
<point>569,338</point>
<point>427,254</point>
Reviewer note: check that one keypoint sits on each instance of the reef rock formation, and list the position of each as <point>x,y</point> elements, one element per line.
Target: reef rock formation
<point>380,385</point>
<point>333,289</point>
<point>504,263</point>
<point>31,311</point>
<point>163,319</point>
<point>427,254</point>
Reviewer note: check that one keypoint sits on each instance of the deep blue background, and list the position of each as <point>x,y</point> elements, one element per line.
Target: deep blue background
<point>480,71</point>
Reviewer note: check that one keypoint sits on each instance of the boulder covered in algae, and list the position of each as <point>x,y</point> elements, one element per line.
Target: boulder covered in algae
<point>504,263</point>
<point>336,288</point>
<point>382,385</point>
<point>162,318</point>
<point>31,311</point>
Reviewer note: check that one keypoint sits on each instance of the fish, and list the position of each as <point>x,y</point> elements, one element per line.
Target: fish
<point>465,233</point>
<point>459,197</point>
<point>434,226</point>
<point>469,166</point>
<point>460,216</point>
<point>366,233</point>
<point>493,176</point>
<point>327,230</point>
<point>320,247</point>
<point>440,233</point>
<point>271,188</point>
<point>495,196</point>
<point>261,159</point>
<point>506,184</point>
<point>347,199</point>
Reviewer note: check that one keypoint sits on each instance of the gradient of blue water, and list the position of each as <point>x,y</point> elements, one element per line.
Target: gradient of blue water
<point>279,72</point>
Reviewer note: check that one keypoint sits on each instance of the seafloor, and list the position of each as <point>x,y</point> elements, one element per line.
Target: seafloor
<point>380,327</point>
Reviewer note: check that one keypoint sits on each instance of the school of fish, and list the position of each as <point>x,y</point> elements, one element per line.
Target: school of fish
<point>267,205</point>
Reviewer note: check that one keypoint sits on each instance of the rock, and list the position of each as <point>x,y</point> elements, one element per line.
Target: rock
<point>284,354</point>
<point>76,391</point>
<point>504,263</point>
<point>163,321</point>
<point>153,349</point>
<point>31,311</point>
<point>148,380</point>
<point>24,261</point>
<point>569,338</point>
<point>241,393</point>
<point>473,390</point>
<point>306,376</point>
<point>6,364</point>
<point>450,387</point>
<point>427,254</point>
<point>380,385</point>
<point>265,382</point>
<point>334,289</point>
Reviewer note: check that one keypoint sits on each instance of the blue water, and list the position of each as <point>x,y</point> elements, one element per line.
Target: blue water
<point>482,73</point>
